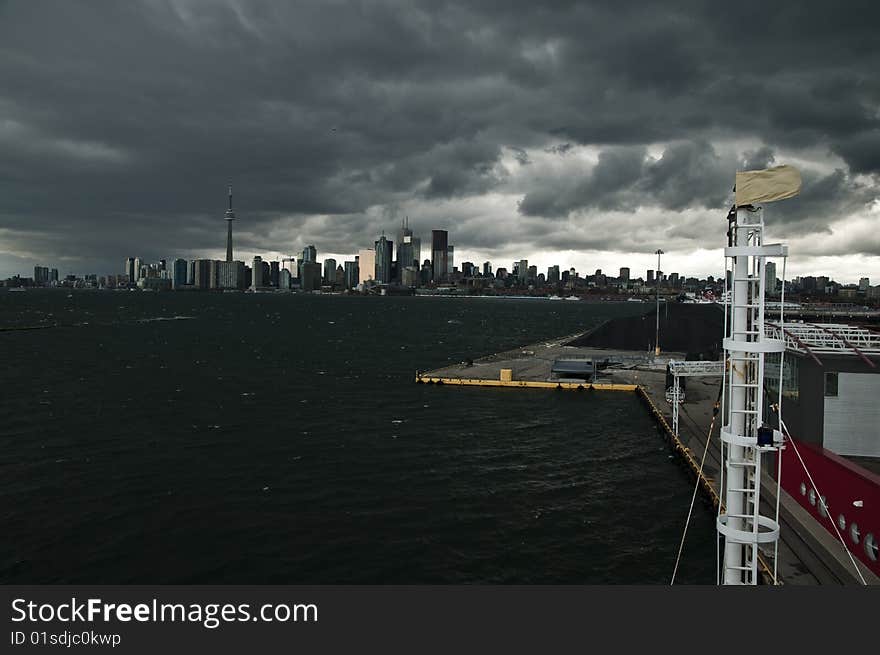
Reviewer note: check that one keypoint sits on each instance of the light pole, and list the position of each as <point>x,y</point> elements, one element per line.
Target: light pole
<point>657,277</point>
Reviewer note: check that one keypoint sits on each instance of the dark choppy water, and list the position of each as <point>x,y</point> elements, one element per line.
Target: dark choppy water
<point>280,439</point>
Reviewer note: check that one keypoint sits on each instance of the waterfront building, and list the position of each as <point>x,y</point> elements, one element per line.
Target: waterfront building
<point>179,273</point>
<point>650,280</point>
<point>450,259</point>
<point>404,246</point>
<point>201,275</point>
<point>213,274</point>
<point>864,284</point>
<point>138,269</point>
<point>487,269</point>
<point>284,279</point>
<point>257,273</point>
<point>230,275</point>
<point>289,264</point>
<point>522,271</point>
<point>129,268</point>
<point>553,274</point>
<point>439,254</point>
<point>416,251</point>
<point>351,274</point>
<point>340,277</point>
<point>311,276</point>
<point>53,277</point>
<point>427,273</point>
<point>366,265</point>
<point>410,276</point>
<point>41,275</point>
<point>330,271</point>
<point>624,274</point>
<point>190,274</point>
<point>384,249</point>
<point>274,271</point>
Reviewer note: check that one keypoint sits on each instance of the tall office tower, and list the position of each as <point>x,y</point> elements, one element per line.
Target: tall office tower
<point>864,283</point>
<point>416,251</point>
<point>404,246</point>
<point>439,254</point>
<point>532,276</point>
<point>138,270</point>
<point>273,274</point>
<point>284,279</point>
<point>202,273</point>
<point>351,274</point>
<point>257,273</point>
<point>522,271</point>
<point>769,277</point>
<point>487,269</point>
<point>384,251</point>
<point>450,259</point>
<point>41,274</point>
<point>468,269</point>
<point>53,276</point>
<point>673,280</point>
<point>231,275</point>
<point>213,274</point>
<point>178,278</point>
<point>265,278</point>
<point>624,274</point>
<point>311,276</point>
<point>330,271</point>
<point>553,274</point>
<point>289,264</point>
<point>129,268</point>
<point>410,276</point>
<point>650,276</point>
<point>427,273</point>
<point>163,266</point>
<point>366,265</point>
<point>191,274</point>
<point>310,254</point>
<point>230,216</point>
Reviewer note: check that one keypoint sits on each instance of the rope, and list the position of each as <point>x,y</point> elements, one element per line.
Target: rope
<point>694,496</point>
<point>825,505</point>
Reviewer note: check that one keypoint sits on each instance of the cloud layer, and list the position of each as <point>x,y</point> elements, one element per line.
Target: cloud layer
<point>524,128</point>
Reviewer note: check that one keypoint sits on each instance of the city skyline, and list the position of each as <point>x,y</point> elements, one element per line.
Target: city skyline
<point>546,134</point>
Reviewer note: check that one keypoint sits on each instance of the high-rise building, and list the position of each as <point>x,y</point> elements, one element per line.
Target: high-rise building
<point>138,269</point>
<point>191,273</point>
<point>487,269</point>
<point>366,265</point>
<point>864,284</point>
<point>439,254</point>
<point>553,274</point>
<point>404,246</point>
<point>330,271</point>
<point>311,276</point>
<point>650,276</point>
<point>624,274</point>
<point>769,277</point>
<point>230,275</point>
<point>416,251</point>
<point>384,252</point>
<point>522,271</point>
<point>53,276</point>
<point>274,272</point>
<point>179,273</point>
<point>213,274</point>
<point>351,274</point>
<point>129,268</point>
<point>285,279</point>
<point>289,264</point>
<point>450,259</point>
<point>310,254</point>
<point>257,273</point>
<point>202,274</point>
<point>41,275</point>
<point>230,216</point>
<point>532,275</point>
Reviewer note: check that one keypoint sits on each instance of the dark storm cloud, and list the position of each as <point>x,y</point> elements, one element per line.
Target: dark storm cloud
<point>120,123</point>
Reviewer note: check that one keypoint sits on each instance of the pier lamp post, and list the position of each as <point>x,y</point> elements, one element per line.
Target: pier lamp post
<point>657,335</point>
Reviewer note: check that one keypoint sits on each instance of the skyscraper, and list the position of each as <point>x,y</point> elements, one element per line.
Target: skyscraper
<point>769,277</point>
<point>178,279</point>
<point>329,271</point>
<point>366,265</point>
<point>522,271</point>
<point>404,247</point>
<point>129,269</point>
<point>624,274</point>
<point>257,273</point>
<point>311,276</point>
<point>439,254</point>
<point>229,218</point>
<point>384,251</point>
<point>351,274</point>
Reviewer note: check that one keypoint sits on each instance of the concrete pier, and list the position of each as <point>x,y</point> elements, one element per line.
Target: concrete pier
<point>808,553</point>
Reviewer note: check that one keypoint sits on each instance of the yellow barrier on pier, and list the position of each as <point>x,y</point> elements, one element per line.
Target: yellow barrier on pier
<point>475,382</point>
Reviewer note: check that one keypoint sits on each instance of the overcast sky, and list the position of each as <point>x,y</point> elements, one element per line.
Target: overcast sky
<point>578,133</point>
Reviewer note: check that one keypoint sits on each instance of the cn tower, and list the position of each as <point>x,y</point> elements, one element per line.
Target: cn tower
<point>230,216</point>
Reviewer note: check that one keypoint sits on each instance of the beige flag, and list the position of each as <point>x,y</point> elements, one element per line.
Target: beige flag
<point>767,185</point>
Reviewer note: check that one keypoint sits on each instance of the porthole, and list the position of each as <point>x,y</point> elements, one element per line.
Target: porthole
<point>812,496</point>
<point>855,533</point>
<point>803,489</point>
<point>871,546</point>
<point>823,507</point>
<point>841,522</point>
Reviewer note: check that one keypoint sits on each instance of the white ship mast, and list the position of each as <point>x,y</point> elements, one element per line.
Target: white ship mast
<point>744,435</point>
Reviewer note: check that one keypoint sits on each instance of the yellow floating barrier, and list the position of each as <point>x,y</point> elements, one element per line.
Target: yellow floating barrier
<point>475,382</point>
